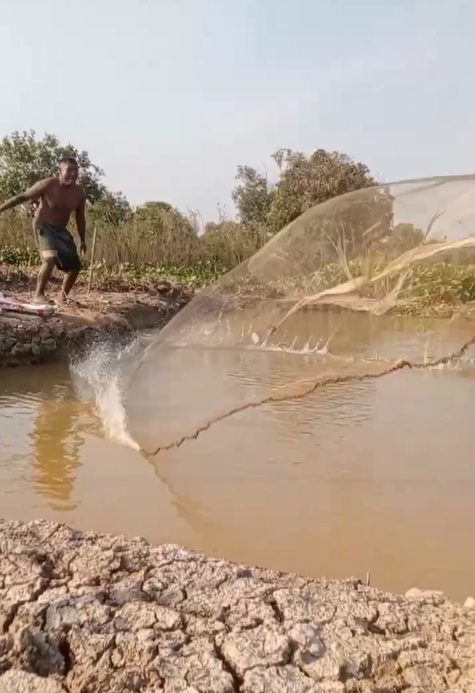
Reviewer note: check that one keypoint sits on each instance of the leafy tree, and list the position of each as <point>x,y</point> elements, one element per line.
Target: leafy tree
<point>404,237</point>
<point>112,209</point>
<point>167,229</point>
<point>353,225</point>
<point>158,214</point>
<point>252,196</point>
<point>25,159</point>
<point>306,181</point>
<point>151,207</point>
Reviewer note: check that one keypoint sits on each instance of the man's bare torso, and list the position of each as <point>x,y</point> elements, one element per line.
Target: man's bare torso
<point>58,202</point>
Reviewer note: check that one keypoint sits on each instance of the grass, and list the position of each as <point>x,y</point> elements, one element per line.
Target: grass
<point>137,256</point>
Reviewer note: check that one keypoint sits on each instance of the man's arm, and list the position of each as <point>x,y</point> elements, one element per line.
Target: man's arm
<point>81,221</point>
<point>33,193</point>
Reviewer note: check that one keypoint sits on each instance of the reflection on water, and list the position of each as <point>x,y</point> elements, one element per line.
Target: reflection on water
<point>57,456</point>
<point>370,475</point>
<point>56,463</point>
<point>43,408</point>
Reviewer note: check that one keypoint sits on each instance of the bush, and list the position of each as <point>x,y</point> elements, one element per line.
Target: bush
<point>145,250</point>
<point>149,249</point>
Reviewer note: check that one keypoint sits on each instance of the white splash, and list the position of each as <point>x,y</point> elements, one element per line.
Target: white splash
<point>100,375</point>
<point>319,349</point>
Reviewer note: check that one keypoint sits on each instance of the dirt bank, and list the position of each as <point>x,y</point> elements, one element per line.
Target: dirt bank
<point>27,339</point>
<point>97,613</point>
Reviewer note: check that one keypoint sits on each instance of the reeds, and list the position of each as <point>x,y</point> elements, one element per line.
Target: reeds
<point>140,246</point>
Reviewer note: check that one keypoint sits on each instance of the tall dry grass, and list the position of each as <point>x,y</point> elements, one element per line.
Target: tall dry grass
<point>143,243</point>
<point>141,252</point>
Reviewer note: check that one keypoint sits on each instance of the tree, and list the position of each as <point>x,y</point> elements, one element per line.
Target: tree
<point>111,209</point>
<point>158,214</point>
<point>25,159</point>
<point>168,230</point>
<point>252,196</point>
<point>404,237</point>
<point>150,208</point>
<point>306,181</point>
<point>352,225</point>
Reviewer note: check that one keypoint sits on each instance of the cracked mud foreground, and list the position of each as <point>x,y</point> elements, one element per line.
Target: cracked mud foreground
<point>96,613</point>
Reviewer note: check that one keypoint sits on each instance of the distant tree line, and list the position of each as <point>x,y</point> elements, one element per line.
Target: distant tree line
<point>263,208</point>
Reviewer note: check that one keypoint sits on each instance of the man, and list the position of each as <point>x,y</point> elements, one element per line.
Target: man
<point>57,199</point>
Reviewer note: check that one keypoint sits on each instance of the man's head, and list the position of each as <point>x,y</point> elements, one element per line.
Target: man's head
<point>68,172</point>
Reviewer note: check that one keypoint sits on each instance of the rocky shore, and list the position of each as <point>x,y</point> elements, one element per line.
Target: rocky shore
<point>93,613</point>
<point>28,339</point>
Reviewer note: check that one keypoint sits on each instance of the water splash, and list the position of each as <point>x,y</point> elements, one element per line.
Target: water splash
<point>101,375</point>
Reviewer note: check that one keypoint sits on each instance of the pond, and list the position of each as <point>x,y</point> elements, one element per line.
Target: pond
<point>363,476</point>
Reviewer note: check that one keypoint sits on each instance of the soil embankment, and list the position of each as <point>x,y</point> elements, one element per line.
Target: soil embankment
<point>96,613</point>
<point>29,339</point>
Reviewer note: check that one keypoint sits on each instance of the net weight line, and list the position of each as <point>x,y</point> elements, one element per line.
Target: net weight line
<point>331,380</point>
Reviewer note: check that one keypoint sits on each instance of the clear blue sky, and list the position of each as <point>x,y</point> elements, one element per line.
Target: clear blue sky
<point>169,96</point>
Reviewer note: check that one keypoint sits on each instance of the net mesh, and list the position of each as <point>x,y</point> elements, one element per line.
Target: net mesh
<point>334,286</point>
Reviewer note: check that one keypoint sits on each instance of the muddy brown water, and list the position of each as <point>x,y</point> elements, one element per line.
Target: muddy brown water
<point>374,476</point>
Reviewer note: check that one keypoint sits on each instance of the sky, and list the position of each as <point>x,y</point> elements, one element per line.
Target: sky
<point>170,96</point>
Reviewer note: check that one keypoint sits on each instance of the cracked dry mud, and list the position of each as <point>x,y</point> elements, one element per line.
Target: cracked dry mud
<point>96,613</point>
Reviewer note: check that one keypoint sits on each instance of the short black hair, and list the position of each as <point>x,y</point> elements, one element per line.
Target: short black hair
<point>69,160</point>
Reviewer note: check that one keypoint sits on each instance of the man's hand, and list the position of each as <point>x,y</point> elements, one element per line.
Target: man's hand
<point>83,248</point>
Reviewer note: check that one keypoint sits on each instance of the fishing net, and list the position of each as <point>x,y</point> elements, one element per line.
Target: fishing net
<point>318,305</point>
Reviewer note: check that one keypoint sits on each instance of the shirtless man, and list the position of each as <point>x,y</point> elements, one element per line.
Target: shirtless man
<point>58,198</point>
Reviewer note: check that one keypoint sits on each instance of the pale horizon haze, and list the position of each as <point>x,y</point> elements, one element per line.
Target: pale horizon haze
<point>170,96</point>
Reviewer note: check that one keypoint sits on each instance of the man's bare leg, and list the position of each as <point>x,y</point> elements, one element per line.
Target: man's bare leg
<point>68,283</point>
<point>43,276</point>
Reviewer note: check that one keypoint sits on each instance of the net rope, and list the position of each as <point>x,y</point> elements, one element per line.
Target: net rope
<point>332,380</point>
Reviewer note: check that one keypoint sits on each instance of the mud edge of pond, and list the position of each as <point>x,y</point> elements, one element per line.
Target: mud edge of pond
<point>91,612</point>
<point>28,340</point>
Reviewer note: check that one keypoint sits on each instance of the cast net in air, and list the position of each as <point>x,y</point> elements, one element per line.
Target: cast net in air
<point>357,287</point>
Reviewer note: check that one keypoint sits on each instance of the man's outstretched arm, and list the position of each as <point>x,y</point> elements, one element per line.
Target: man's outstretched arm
<point>33,193</point>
